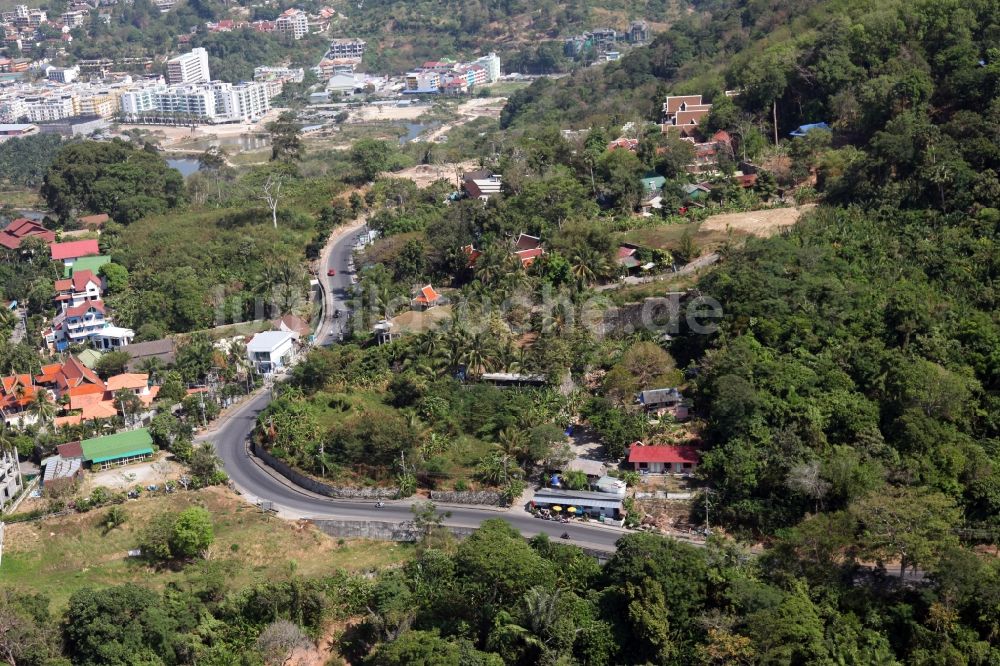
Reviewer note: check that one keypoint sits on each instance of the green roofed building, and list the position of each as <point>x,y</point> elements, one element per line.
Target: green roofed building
<point>89,357</point>
<point>122,448</point>
<point>92,264</point>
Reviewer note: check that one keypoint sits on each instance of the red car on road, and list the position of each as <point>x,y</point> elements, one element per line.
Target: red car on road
<point>330,272</point>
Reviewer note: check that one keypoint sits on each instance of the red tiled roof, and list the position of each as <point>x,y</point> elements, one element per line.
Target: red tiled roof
<point>82,308</point>
<point>526,242</point>
<point>81,278</point>
<point>663,454</point>
<point>71,449</point>
<point>74,249</point>
<point>21,228</point>
<point>61,421</point>
<point>625,252</point>
<point>74,373</point>
<point>85,389</point>
<point>427,295</point>
<point>674,102</point>
<point>528,257</point>
<point>128,380</point>
<point>472,253</point>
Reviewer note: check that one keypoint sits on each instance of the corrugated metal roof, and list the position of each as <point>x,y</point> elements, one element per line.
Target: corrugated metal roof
<point>120,445</point>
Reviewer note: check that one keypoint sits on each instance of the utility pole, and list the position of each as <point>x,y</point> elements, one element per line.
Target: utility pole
<point>708,505</point>
<point>774,114</point>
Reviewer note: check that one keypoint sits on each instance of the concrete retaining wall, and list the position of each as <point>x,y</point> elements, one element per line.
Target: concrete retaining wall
<point>407,532</point>
<point>317,487</point>
<point>466,497</point>
<point>378,530</point>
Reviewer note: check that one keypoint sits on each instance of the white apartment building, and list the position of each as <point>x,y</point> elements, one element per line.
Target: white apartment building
<point>250,101</point>
<point>12,109</point>
<point>491,63</point>
<point>62,74</point>
<point>50,107</point>
<point>32,18</point>
<point>192,100</point>
<point>345,48</point>
<point>292,22</point>
<point>189,67</point>
<point>10,476</point>
<point>74,19</point>
<point>214,102</point>
<point>137,101</point>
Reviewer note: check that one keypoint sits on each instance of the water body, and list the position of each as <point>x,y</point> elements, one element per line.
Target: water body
<point>413,130</point>
<point>186,165</point>
<point>231,144</point>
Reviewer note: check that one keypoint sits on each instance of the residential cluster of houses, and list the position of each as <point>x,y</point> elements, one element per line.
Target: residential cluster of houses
<point>683,116</point>
<point>448,76</point>
<point>293,23</point>
<point>604,41</point>
<point>74,388</point>
<point>81,317</point>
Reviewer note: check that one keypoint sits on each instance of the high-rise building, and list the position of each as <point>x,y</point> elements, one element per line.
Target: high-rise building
<point>214,102</point>
<point>292,22</point>
<point>491,63</point>
<point>189,67</point>
<point>345,48</point>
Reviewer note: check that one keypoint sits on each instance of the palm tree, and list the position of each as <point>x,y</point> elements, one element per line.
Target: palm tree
<point>151,366</point>
<point>499,469</point>
<point>6,436</point>
<point>513,442</point>
<point>42,406</point>
<point>128,402</point>
<point>476,355</point>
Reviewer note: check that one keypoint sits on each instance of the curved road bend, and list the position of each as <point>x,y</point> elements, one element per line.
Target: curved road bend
<point>253,479</point>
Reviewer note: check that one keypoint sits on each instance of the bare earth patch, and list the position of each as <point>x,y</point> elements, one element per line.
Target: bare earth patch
<point>760,223</point>
<point>425,174</point>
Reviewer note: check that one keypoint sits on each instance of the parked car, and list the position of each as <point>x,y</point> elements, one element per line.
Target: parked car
<point>330,272</point>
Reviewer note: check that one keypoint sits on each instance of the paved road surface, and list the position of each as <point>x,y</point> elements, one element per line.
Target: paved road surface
<point>258,482</point>
<point>337,288</point>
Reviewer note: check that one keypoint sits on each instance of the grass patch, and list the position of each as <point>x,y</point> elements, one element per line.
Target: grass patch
<point>22,198</point>
<point>60,556</point>
<point>505,88</point>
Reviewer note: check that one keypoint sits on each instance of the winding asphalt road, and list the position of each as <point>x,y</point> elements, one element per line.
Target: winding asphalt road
<point>258,482</point>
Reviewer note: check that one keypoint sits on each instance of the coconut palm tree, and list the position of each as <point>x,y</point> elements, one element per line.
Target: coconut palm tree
<point>476,354</point>
<point>151,366</point>
<point>42,406</point>
<point>6,436</point>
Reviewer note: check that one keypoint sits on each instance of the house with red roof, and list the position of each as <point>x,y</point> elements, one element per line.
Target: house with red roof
<point>21,228</point>
<point>16,394</point>
<point>69,252</point>
<point>656,459</point>
<point>472,253</point>
<point>624,143</point>
<point>528,249</point>
<point>427,298</point>
<point>83,287</point>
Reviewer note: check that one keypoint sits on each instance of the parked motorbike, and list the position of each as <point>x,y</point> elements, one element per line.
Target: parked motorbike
<point>564,535</point>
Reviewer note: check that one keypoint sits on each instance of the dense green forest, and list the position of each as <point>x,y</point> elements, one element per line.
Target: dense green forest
<point>528,36</point>
<point>495,599</point>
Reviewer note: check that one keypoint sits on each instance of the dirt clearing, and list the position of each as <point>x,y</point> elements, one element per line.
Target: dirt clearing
<point>761,223</point>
